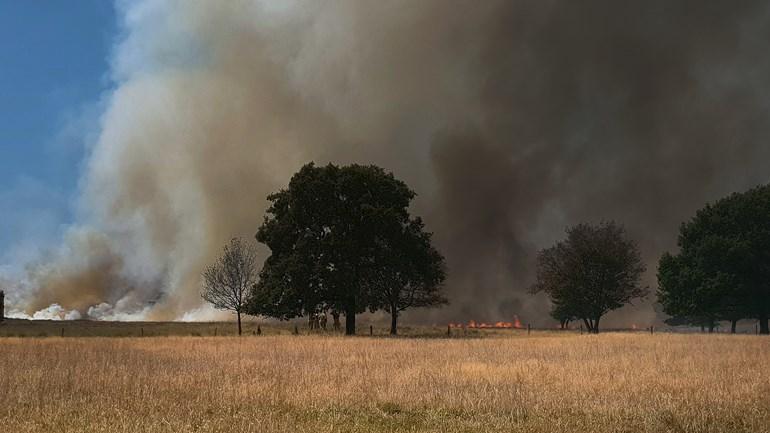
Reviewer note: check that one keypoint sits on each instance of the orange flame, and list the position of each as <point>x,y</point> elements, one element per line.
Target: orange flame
<point>472,324</point>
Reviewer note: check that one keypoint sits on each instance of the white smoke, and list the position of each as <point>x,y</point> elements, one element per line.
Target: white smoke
<point>52,312</point>
<point>205,313</point>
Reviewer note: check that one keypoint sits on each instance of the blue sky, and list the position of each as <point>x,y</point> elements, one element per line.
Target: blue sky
<point>54,70</point>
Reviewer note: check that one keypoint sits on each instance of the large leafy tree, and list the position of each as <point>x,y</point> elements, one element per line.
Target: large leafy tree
<point>722,270</point>
<point>595,270</point>
<point>331,233</point>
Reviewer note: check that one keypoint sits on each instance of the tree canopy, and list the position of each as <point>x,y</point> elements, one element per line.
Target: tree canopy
<point>722,270</point>
<point>340,238</point>
<point>410,274</point>
<point>595,270</point>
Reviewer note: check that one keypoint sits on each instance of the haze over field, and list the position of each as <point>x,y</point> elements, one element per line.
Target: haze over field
<point>510,120</point>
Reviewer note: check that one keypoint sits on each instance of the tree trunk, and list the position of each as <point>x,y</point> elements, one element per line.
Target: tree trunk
<point>763,328</point>
<point>711,327</point>
<point>393,321</point>
<point>733,325</point>
<point>336,319</point>
<point>238,313</point>
<point>350,320</point>
<point>596,325</point>
<point>589,328</point>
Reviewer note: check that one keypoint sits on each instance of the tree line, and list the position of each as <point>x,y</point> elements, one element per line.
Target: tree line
<point>721,272</point>
<point>342,242</point>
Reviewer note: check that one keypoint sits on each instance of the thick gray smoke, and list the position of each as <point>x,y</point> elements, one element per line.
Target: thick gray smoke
<point>510,119</point>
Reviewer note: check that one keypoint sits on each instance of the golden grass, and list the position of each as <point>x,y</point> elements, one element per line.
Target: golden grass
<point>541,383</point>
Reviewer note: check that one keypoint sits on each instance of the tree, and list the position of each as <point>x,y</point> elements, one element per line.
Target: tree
<point>228,282</point>
<point>330,233</point>
<point>411,274</point>
<point>563,314</point>
<point>686,295</point>
<point>722,270</point>
<point>595,270</point>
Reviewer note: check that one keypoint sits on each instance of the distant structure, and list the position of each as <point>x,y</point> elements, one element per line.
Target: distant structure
<point>2,305</point>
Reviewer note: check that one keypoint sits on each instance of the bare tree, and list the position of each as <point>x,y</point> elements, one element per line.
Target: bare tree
<point>228,282</point>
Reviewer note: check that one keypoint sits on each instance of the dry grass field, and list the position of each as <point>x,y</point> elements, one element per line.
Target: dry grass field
<point>546,382</point>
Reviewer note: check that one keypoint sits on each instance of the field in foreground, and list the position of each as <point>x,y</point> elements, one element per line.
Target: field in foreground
<point>538,383</point>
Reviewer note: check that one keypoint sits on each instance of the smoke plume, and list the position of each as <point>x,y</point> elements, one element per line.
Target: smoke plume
<point>510,119</point>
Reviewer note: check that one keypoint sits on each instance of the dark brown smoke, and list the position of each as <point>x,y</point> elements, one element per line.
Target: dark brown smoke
<point>510,119</point>
<point>602,110</point>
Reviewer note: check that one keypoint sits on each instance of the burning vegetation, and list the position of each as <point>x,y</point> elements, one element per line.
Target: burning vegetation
<point>472,324</point>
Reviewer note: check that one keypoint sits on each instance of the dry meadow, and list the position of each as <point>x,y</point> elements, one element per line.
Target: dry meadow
<point>546,382</point>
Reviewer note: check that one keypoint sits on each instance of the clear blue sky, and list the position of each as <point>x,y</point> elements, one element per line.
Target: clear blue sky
<point>54,61</point>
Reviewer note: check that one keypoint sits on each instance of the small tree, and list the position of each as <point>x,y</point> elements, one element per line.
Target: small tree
<point>411,273</point>
<point>562,314</point>
<point>595,270</point>
<point>228,282</point>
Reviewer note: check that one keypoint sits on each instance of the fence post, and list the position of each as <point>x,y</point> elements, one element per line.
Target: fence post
<point>2,305</point>
<point>215,331</point>
<point>62,332</point>
<point>581,329</point>
<point>448,330</point>
<point>529,328</point>
<point>296,330</point>
<point>259,330</point>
